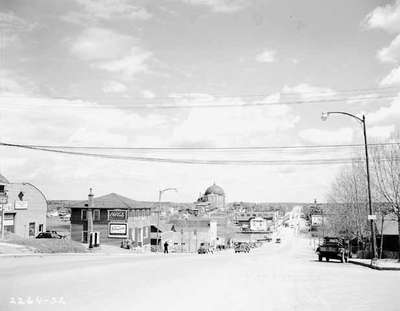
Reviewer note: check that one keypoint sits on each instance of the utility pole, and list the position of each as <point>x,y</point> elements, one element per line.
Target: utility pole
<point>324,117</point>
<point>160,193</point>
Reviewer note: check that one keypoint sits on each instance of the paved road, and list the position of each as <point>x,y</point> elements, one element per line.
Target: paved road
<point>277,277</point>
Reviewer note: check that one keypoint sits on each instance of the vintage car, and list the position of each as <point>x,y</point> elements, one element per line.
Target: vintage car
<point>205,248</point>
<point>242,247</point>
<point>49,235</point>
<point>332,248</point>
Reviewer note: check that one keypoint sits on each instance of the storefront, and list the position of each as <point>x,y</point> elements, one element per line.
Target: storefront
<point>24,209</point>
<point>115,217</point>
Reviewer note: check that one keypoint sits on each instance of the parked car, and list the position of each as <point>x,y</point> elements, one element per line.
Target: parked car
<point>205,248</point>
<point>332,248</point>
<point>242,247</point>
<point>49,235</point>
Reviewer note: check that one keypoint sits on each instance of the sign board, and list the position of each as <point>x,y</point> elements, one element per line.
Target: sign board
<point>117,215</point>
<point>316,220</point>
<point>371,217</point>
<point>117,230</point>
<point>21,204</point>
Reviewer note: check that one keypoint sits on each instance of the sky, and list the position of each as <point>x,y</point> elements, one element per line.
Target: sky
<point>106,73</point>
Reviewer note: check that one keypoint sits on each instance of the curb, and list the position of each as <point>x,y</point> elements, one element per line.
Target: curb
<point>374,267</point>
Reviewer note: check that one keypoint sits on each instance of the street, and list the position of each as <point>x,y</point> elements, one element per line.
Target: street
<point>275,277</point>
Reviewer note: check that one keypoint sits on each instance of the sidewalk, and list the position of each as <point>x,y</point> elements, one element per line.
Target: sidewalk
<point>9,249</point>
<point>382,264</point>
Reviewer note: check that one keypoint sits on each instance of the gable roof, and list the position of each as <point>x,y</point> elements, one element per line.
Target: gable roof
<point>112,200</point>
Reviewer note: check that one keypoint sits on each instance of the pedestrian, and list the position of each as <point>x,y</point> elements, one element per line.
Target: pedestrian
<point>166,247</point>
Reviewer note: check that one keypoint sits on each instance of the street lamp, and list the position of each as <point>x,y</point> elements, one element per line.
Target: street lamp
<point>324,117</point>
<point>160,193</point>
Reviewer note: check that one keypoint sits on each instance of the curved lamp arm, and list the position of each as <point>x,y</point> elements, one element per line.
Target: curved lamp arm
<point>325,115</point>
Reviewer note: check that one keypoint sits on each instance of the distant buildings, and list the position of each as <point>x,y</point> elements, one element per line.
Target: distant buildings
<point>257,221</point>
<point>115,217</point>
<point>212,199</point>
<point>187,235</point>
<point>25,209</point>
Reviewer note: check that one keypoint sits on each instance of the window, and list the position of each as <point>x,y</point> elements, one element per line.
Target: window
<point>41,228</point>
<point>83,214</point>
<point>31,229</point>
<point>96,215</point>
<point>2,188</point>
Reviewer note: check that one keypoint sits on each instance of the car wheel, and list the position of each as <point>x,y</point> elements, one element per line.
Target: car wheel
<point>327,259</point>
<point>319,258</point>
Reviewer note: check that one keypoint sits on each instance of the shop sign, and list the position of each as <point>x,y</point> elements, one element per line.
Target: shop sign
<point>117,215</point>
<point>21,205</point>
<point>117,229</point>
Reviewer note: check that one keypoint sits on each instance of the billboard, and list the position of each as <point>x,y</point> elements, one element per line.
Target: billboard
<point>21,204</point>
<point>117,230</point>
<point>117,215</point>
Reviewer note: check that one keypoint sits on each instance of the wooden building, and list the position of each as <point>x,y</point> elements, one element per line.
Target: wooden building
<point>115,217</point>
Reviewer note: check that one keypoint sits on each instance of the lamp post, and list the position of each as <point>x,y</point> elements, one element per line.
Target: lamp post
<point>160,193</point>
<point>324,117</point>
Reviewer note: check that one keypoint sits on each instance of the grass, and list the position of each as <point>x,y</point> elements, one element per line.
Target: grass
<point>48,245</point>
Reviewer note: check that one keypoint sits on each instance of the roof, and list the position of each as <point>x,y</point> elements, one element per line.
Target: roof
<point>3,180</point>
<point>112,200</point>
<point>214,189</point>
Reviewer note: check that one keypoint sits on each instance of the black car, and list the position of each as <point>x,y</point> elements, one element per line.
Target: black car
<point>333,248</point>
<point>49,235</point>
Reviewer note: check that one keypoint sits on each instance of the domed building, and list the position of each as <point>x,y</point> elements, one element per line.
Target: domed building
<point>212,199</point>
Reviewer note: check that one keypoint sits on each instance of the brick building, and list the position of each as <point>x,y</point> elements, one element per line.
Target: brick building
<point>24,210</point>
<point>115,217</point>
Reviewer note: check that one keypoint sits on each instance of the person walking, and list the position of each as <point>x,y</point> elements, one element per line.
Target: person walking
<point>166,247</point>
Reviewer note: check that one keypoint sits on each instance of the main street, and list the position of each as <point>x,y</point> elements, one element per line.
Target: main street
<point>275,277</point>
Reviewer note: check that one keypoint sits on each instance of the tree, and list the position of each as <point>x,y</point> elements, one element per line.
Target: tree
<point>347,199</point>
<point>386,164</point>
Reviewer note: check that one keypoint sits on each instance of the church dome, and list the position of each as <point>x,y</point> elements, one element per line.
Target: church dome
<point>214,189</point>
<point>3,180</point>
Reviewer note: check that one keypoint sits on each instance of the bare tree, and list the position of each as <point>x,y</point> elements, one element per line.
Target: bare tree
<point>386,165</point>
<point>348,197</point>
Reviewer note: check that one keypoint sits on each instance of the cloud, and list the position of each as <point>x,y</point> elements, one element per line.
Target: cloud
<point>129,65</point>
<point>392,78</point>
<point>148,94</point>
<point>114,87</point>
<point>382,132</point>
<point>384,113</point>
<point>233,126</point>
<point>385,17</point>
<point>220,6</point>
<point>111,51</point>
<point>267,56</point>
<point>317,136</point>
<point>11,27</point>
<point>306,91</point>
<point>391,53</point>
<point>105,10</point>
<point>99,43</point>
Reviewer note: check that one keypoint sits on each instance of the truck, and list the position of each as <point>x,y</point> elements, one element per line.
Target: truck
<point>332,248</point>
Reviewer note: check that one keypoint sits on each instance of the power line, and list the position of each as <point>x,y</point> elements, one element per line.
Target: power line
<point>201,162</point>
<point>242,105</point>
<point>300,147</point>
<point>203,96</point>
